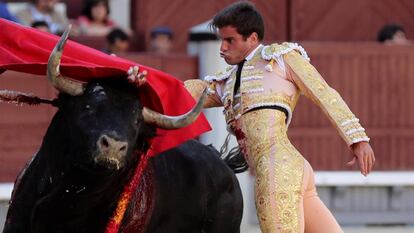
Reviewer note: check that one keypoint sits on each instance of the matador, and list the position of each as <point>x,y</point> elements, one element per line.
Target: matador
<point>259,91</point>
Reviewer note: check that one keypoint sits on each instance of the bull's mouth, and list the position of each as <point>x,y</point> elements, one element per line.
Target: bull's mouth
<point>110,152</point>
<point>109,162</point>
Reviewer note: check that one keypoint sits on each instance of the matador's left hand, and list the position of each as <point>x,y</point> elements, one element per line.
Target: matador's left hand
<point>136,77</point>
<point>365,156</point>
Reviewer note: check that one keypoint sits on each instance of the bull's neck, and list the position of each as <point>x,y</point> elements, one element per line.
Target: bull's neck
<point>80,198</point>
<point>80,186</point>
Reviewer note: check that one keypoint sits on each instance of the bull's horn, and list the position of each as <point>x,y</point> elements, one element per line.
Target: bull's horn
<point>174,122</point>
<point>53,69</point>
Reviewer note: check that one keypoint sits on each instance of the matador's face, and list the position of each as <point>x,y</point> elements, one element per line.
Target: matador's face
<point>234,46</point>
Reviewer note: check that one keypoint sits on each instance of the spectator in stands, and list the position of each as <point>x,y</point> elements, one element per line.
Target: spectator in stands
<point>44,10</point>
<point>161,40</point>
<point>5,13</point>
<point>95,20</point>
<point>118,42</point>
<point>41,25</point>
<point>393,34</point>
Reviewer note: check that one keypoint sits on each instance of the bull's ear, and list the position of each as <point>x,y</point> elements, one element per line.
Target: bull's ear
<point>20,98</point>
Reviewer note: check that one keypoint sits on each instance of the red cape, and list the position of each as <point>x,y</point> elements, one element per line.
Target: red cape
<point>27,50</point>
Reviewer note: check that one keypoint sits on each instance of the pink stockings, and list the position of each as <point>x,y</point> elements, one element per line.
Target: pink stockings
<point>317,218</point>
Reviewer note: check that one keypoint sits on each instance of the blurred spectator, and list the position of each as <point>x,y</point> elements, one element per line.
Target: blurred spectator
<point>95,20</point>
<point>44,10</point>
<point>393,34</point>
<point>161,40</point>
<point>118,42</point>
<point>5,13</point>
<point>41,25</point>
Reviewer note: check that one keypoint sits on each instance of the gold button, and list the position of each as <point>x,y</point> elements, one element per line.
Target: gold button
<point>321,87</point>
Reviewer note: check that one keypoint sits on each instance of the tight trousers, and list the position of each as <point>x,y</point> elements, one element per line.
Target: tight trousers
<point>285,194</point>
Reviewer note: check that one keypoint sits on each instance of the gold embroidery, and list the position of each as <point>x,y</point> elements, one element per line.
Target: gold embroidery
<point>274,48</point>
<point>252,100</point>
<point>311,83</point>
<point>251,85</point>
<point>230,85</point>
<point>279,170</point>
<point>196,87</point>
<point>255,59</point>
<point>351,126</point>
<point>256,85</point>
<point>255,72</point>
<point>357,135</point>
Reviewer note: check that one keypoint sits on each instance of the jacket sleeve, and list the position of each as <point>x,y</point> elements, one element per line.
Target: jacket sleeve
<point>312,85</point>
<point>196,87</point>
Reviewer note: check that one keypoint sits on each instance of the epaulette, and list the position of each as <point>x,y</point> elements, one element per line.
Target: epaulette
<point>275,51</point>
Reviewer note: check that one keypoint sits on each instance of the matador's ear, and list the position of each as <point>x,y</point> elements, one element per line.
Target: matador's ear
<point>19,98</point>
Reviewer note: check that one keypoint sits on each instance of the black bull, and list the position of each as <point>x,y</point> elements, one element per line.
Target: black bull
<point>88,154</point>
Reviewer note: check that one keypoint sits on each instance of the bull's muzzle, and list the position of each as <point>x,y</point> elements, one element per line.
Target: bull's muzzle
<point>111,152</point>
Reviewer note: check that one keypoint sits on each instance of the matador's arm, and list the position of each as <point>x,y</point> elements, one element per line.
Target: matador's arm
<point>196,87</point>
<point>311,83</point>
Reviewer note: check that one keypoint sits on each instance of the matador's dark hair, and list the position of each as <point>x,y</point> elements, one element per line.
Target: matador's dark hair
<point>243,16</point>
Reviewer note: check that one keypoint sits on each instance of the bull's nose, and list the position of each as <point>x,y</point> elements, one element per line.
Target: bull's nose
<point>110,146</point>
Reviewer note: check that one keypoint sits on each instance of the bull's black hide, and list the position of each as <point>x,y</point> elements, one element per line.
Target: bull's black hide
<point>89,153</point>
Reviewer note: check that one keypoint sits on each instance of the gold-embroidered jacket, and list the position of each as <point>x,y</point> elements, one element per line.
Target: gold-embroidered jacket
<point>276,76</point>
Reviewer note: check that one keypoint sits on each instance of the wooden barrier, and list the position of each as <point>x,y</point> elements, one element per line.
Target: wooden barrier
<point>22,127</point>
<point>375,81</point>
